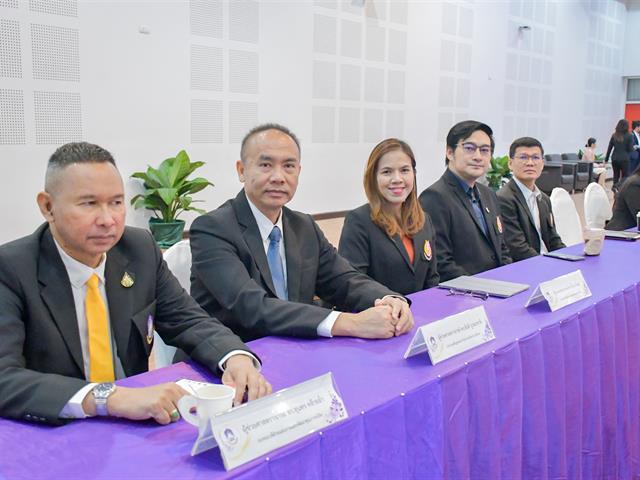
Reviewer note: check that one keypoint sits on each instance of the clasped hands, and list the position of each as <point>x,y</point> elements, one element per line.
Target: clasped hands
<point>390,316</point>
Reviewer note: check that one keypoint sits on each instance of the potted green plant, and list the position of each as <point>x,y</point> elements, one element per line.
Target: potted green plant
<point>167,192</point>
<point>499,172</point>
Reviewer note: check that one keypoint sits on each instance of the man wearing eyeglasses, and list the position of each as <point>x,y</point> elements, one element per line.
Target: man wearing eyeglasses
<point>465,214</point>
<point>529,229</point>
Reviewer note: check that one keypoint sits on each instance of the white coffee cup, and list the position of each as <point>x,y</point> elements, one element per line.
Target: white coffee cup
<point>207,401</point>
<point>593,240</point>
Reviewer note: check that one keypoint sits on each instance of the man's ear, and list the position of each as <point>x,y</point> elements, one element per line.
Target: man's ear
<point>240,170</point>
<point>45,205</point>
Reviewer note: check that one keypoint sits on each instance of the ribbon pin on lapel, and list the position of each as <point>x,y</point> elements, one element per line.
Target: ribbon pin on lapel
<point>127,280</point>
<point>426,251</point>
<point>150,329</point>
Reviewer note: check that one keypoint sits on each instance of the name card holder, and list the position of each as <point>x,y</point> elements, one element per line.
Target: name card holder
<point>260,426</point>
<point>560,291</point>
<point>452,335</point>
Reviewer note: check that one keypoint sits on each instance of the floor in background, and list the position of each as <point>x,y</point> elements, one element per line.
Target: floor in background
<point>332,227</point>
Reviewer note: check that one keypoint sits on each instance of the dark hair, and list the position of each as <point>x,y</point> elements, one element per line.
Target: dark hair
<point>621,129</point>
<point>263,128</point>
<point>463,130</point>
<point>524,142</point>
<point>590,141</point>
<point>79,152</point>
<point>635,124</point>
<point>411,213</point>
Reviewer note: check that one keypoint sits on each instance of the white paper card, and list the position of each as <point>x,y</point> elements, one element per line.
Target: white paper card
<point>452,335</point>
<point>258,427</point>
<point>561,291</point>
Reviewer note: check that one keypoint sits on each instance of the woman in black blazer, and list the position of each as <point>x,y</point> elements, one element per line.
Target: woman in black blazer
<point>391,239</point>
<point>622,145</point>
<point>627,204</point>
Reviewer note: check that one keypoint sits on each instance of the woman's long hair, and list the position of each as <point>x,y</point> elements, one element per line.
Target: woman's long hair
<point>411,213</point>
<point>621,129</point>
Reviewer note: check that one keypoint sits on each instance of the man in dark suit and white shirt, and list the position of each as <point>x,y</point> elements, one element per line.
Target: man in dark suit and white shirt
<point>79,302</point>
<point>257,264</point>
<point>634,157</point>
<point>465,214</point>
<point>529,228</point>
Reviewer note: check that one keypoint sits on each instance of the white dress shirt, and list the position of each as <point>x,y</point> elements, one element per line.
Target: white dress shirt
<point>79,274</point>
<point>265,226</point>
<point>531,197</point>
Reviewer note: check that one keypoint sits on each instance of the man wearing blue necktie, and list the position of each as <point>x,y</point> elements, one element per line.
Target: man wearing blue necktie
<point>258,265</point>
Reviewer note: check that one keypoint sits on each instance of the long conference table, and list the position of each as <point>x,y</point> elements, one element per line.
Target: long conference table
<point>555,395</point>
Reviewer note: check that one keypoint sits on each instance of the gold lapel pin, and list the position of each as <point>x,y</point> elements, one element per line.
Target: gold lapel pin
<point>127,280</point>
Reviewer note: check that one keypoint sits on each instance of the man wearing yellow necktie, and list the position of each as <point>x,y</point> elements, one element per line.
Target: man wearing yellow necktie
<point>80,299</point>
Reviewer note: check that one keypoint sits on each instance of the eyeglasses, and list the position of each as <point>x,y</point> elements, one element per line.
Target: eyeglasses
<point>523,157</point>
<point>469,293</point>
<point>471,148</point>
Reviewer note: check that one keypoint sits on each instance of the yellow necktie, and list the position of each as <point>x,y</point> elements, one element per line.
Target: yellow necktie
<point>100,358</point>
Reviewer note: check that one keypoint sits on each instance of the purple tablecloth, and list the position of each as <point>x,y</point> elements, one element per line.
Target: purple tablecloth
<point>556,395</point>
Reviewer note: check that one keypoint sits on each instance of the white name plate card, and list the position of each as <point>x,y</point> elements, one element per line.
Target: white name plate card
<point>561,291</point>
<point>452,335</point>
<point>260,426</point>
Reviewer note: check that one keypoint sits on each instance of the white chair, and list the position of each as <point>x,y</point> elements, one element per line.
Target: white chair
<point>566,217</point>
<point>597,208</point>
<point>178,258</point>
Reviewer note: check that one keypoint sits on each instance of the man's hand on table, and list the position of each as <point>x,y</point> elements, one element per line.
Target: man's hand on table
<point>241,373</point>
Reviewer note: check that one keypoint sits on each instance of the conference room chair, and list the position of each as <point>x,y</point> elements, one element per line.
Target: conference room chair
<point>178,258</point>
<point>567,176</point>
<point>566,217</point>
<point>597,208</point>
<point>584,170</point>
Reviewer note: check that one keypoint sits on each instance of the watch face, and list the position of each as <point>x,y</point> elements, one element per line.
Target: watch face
<point>103,389</point>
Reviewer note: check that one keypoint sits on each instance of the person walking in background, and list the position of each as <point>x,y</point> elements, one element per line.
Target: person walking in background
<point>390,238</point>
<point>622,145</point>
<point>634,157</point>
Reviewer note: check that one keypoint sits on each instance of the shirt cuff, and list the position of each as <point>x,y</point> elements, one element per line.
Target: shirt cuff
<point>73,408</point>
<point>325,326</point>
<point>222,362</point>
<point>399,297</point>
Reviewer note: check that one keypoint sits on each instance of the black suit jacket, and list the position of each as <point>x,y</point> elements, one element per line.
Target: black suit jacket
<point>627,205</point>
<point>230,275</point>
<point>41,365</point>
<point>370,250</point>
<point>462,247</point>
<point>519,228</point>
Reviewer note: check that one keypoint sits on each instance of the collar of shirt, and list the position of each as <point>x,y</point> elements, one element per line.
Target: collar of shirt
<point>528,193</point>
<point>470,191</point>
<point>264,224</point>
<point>78,272</point>
<point>637,136</point>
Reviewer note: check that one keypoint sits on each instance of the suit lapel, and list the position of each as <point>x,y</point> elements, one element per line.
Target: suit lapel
<point>491,232</point>
<point>120,300</point>
<point>397,241</point>
<point>462,196</point>
<point>251,235</point>
<point>523,203</point>
<point>294,259</point>
<point>57,295</point>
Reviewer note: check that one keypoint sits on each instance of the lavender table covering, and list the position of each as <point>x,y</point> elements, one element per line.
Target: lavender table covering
<point>556,395</point>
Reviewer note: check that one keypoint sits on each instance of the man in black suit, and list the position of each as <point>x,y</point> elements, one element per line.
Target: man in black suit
<point>80,299</point>
<point>257,265</point>
<point>634,156</point>
<point>529,229</point>
<point>465,214</point>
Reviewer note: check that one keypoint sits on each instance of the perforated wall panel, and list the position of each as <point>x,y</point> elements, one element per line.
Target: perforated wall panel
<point>206,121</point>
<point>58,117</point>
<point>68,8</point>
<point>206,68</point>
<point>55,52</point>
<point>10,56</point>
<point>11,117</point>
<point>206,18</point>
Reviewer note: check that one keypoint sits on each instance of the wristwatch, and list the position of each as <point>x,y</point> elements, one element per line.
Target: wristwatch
<point>101,393</point>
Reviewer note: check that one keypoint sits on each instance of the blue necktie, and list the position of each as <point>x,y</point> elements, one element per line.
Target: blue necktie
<point>475,204</point>
<point>275,264</point>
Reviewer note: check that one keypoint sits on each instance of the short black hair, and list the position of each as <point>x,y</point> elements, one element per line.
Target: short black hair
<point>79,152</point>
<point>635,124</point>
<point>463,130</point>
<point>70,154</point>
<point>590,141</point>
<point>524,142</point>
<point>263,128</point>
